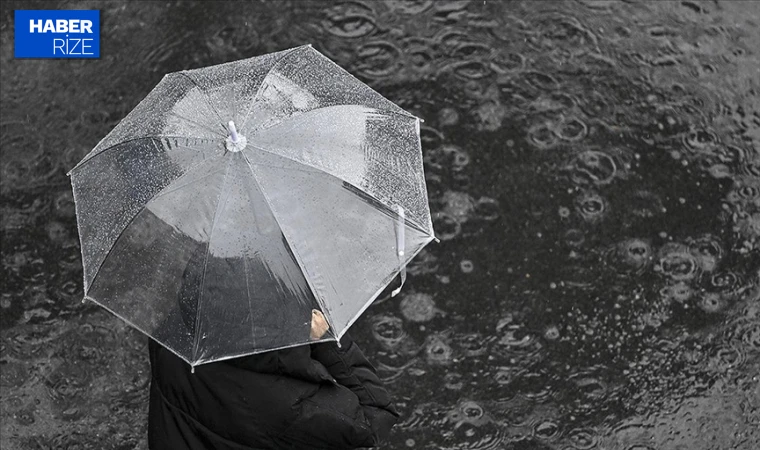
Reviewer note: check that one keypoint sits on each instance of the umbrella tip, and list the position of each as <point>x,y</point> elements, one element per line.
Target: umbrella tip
<point>235,142</point>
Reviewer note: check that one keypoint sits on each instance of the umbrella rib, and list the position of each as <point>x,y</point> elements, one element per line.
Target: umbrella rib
<point>219,206</point>
<point>175,188</point>
<point>404,113</point>
<point>401,111</point>
<point>222,122</point>
<point>250,304</point>
<point>263,80</point>
<point>385,282</point>
<point>111,147</point>
<point>292,248</point>
<point>198,123</point>
<point>142,208</point>
<point>285,120</point>
<point>407,219</point>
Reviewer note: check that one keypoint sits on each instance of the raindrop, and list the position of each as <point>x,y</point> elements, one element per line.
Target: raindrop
<point>727,281</point>
<point>708,251</point>
<point>451,38</point>
<point>541,81</point>
<point>676,262</point>
<point>388,330</point>
<point>568,33</point>
<point>410,7</point>
<point>430,137</point>
<point>700,139</point>
<point>551,333</point>
<point>58,233</point>
<point>469,50</point>
<point>448,117</point>
<point>437,351</point>
<point>574,237</point>
<point>517,340</point>
<point>378,59</point>
<point>508,63</point>
<point>595,104</point>
<point>726,357</point>
<point>582,439</point>
<point>424,263</point>
<point>471,412</point>
<point>64,204</point>
<point>487,209</point>
<point>542,135</point>
<point>458,205</point>
<point>719,171</point>
<point>446,227</point>
<point>590,387</point>
<point>469,70</point>
<point>456,157</point>
<point>633,254</point>
<point>571,129</point>
<point>418,53</point>
<point>546,429</point>
<point>712,303</point>
<point>349,25</point>
<point>453,381</point>
<point>592,167</point>
<point>418,307</point>
<point>751,337</point>
<point>591,206</point>
<point>678,292</point>
<point>471,344</point>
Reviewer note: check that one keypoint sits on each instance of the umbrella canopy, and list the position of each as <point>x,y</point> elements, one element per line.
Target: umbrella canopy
<point>236,198</point>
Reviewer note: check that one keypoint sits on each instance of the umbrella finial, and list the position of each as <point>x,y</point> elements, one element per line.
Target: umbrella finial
<point>235,142</point>
<point>233,131</point>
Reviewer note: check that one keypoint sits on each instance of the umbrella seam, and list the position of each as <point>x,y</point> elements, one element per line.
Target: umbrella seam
<point>402,112</point>
<point>258,89</point>
<point>292,248</point>
<point>384,285</point>
<point>255,352</point>
<point>205,97</point>
<point>193,122</point>
<point>250,305</point>
<point>111,147</point>
<point>286,119</point>
<point>407,113</point>
<point>136,327</point>
<point>175,188</point>
<point>219,206</point>
<point>142,208</point>
<point>417,226</point>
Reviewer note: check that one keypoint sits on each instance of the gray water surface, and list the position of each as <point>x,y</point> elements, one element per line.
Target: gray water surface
<point>594,175</point>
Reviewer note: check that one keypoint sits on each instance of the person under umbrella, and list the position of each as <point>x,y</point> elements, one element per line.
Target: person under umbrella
<point>243,216</point>
<point>318,396</point>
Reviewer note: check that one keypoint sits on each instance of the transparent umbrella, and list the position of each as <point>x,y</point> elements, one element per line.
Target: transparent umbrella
<point>236,198</point>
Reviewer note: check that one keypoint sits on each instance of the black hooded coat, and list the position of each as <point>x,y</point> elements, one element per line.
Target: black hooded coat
<point>315,396</point>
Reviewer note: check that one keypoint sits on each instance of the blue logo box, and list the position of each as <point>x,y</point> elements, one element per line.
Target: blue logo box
<point>57,34</point>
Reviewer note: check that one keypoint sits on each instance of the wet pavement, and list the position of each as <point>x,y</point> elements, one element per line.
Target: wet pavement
<point>594,174</point>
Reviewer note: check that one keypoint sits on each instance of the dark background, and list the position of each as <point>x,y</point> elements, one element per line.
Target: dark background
<point>594,175</point>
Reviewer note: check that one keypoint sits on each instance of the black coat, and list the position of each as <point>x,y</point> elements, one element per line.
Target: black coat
<point>308,397</point>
